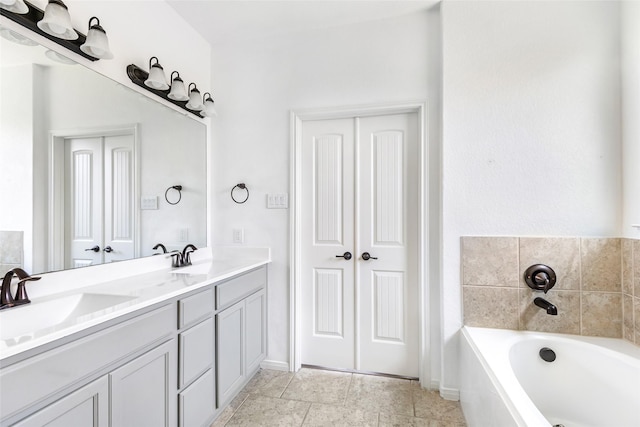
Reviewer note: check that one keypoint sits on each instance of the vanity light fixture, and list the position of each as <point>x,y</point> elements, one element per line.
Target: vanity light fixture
<point>55,56</point>
<point>178,91</point>
<point>54,26</point>
<point>195,102</point>
<point>15,6</point>
<point>57,21</point>
<point>156,79</point>
<point>14,37</point>
<point>209,110</point>
<point>97,43</point>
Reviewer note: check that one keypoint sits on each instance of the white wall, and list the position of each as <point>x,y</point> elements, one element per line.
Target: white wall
<point>630,30</point>
<point>258,83</point>
<point>531,129</point>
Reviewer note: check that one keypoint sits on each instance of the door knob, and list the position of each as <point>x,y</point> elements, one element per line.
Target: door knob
<point>346,255</point>
<point>96,248</point>
<point>367,256</point>
<point>108,249</point>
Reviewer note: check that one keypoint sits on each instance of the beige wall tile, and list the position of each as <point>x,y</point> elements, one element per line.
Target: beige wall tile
<point>601,264</point>
<point>627,318</point>
<point>490,307</point>
<point>602,314</point>
<point>561,254</point>
<point>11,247</point>
<point>627,266</point>
<point>636,318</point>
<point>534,318</point>
<point>636,268</point>
<point>490,261</point>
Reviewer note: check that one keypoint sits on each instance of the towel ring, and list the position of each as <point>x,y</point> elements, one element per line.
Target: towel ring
<point>178,188</point>
<point>241,186</point>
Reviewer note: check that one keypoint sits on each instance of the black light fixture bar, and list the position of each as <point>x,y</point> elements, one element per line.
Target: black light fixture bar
<point>30,20</point>
<point>138,77</point>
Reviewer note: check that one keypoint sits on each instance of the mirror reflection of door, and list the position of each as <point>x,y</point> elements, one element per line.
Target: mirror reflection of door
<point>99,200</point>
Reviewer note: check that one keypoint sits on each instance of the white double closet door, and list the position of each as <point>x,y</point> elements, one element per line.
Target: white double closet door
<point>360,196</point>
<point>99,200</point>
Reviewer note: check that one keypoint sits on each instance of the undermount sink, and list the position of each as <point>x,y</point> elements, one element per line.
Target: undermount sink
<point>46,315</point>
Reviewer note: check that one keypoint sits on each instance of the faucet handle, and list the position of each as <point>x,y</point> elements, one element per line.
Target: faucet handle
<point>21,293</point>
<point>176,258</point>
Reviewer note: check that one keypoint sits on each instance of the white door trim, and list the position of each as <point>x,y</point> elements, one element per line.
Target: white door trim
<point>56,244</point>
<point>297,117</point>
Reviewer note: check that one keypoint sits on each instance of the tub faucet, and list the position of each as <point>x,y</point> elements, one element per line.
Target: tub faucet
<point>546,305</point>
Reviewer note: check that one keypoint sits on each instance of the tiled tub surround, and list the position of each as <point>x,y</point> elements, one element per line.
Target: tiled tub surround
<point>597,291</point>
<point>11,250</point>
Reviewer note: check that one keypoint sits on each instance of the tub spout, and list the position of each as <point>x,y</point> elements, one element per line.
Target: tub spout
<point>544,304</point>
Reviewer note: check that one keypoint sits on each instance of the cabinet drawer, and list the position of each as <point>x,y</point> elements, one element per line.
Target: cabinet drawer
<point>239,287</point>
<point>194,307</point>
<point>197,402</point>
<point>196,351</point>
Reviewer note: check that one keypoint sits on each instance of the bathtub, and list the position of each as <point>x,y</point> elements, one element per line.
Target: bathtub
<point>504,382</point>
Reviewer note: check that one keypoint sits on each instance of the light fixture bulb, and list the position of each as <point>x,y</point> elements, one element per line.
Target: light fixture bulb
<point>156,79</point>
<point>209,110</point>
<point>57,22</point>
<point>97,43</point>
<point>178,91</point>
<point>195,102</point>
<point>15,6</point>
<point>15,37</point>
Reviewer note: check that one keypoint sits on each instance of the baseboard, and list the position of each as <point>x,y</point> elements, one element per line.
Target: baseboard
<point>274,365</point>
<point>450,393</point>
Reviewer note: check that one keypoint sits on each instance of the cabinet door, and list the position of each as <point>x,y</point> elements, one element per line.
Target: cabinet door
<point>255,331</point>
<point>86,407</point>
<point>230,343</point>
<point>143,392</point>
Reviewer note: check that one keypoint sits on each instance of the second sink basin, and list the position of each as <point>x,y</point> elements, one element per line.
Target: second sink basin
<point>38,316</point>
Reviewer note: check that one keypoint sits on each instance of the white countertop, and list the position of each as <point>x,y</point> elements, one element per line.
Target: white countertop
<point>115,296</point>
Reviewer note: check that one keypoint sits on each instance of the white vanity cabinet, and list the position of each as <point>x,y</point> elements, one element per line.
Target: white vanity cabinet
<point>122,373</point>
<point>241,331</point>
<point>196,376</point>
<point>88,406</point>
<point>175,363</point>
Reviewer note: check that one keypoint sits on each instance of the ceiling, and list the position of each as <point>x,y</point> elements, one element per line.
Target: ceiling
<point>226,21</point>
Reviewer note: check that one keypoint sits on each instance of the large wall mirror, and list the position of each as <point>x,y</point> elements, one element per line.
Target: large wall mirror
<point>89,166</point>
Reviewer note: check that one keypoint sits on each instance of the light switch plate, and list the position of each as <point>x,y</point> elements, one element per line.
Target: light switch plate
<point>278,201</point>
<point>238,235</point>
<point>149,202</point>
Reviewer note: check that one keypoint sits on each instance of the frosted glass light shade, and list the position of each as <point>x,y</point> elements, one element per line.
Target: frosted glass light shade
<point>156,79</point>
<point>208,110</point>
<point>57,22</point>
<point>178,91</point>
<point>15,6</point>
<point>97,43</point>
<point>15,37</point>
<point>195,102</point>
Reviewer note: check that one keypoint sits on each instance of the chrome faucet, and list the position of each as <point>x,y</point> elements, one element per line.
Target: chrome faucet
<point>6,299</point>
<point>546,305</point>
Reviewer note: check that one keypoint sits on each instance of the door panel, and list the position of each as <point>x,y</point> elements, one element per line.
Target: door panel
<point>83,201</point>
<point>388,225</point>
<point>119,197</point>
<point>328,293</point>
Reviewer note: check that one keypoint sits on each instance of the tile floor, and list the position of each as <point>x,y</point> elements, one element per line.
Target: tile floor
<point>323,398</point>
